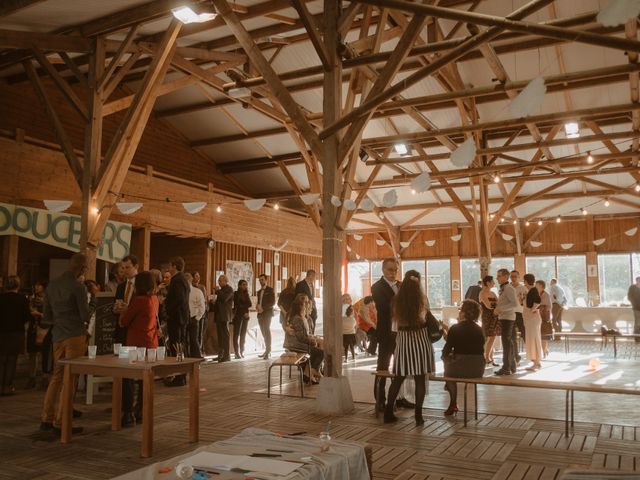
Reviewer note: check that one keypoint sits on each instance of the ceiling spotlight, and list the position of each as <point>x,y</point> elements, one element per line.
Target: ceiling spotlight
<point>276,206</point>
<point>606,202</point>
<point>539,223</point>
<point>401,149</point>
<point>584,211</point>
<point>526,224</point>
<point>218,209</point>
<point>589,158</point>
<point>572,129</point>
<point>187,15</point>
<point>364,156</point>
<point>496,179</point>
<point>558,219</point>
<point>241,92</point>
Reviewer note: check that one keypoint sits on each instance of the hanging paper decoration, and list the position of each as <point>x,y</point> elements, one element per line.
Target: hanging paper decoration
<point>349,204</point>
<point>507,237</point>
<point>358,257</point>
<point>357,236</point>
<point>566,246</point>
<point>128,207</point>
<point>367,204</point>
<point>335,201</point>
<point>277,249</point>
<point>390,198</point>
<point>405,244</point>
<point>309,198</point>
<point>618,12</point>
<point>599,241</point>
<point>631,232</point>
<point>194,207</point>
<point>255,204</point>
<point>529,100</point>
<point>464,154</point>
<point>380,242</point>
<point>456,238</point>
<point>348,249</point>
<point>429,243</point>
<point>421,183</point>
<point>57,205</point>
<point>535,244</point>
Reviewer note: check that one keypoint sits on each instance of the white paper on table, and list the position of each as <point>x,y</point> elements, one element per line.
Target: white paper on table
<point>221,461</point>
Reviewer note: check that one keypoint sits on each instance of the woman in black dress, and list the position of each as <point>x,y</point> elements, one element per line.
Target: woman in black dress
<point>241,306</point>
<point>490,322</point>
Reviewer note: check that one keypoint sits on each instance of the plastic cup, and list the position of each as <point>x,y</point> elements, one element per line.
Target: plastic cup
<point>132,354</point>
<point>142,351</point>
<point>93,349</point>
<point>152,354</point>
<point>116,348</point>
<point>162,351</point>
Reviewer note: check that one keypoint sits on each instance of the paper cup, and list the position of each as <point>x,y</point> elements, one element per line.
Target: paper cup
<point>116,348</point>
<point>152,354</point>
<point>93,349</point>
<point>132,354</point>
<point>161,353</point>
<point>142,351</point>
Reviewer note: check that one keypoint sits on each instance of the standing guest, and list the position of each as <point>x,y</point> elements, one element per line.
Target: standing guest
<point>223,311</point>
<point>14,316</point>
<point>285,299</point>
<point>298,337</point>
<point>413,356</point>
<point>177,306</point>
<point>124,293</point>
<point>67,309</point>
<point>161,291</point>
<point>473,292</point>
<point>264,305</point>
<point>241,306</point>
<point>532,323</point>
<point>307,286</point>
<point>349,333</point>
<point>141,321</point>
<point>367,318</point>
<point>634,298</point>
<point>463,354</point>
<point>116,277</point>
<point>490,322</point>
<point>506,312</point>
<point>197,309</point>
<point>521,295</point>
<point>558,301</point>
<point>37,333</point>
<point>546,328</point>
<point>92,291</point>
<point>202,322</point>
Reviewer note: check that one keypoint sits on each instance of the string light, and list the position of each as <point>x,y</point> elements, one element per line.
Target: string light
<point>515,222</point>
<point>558,219</point>
<point>539,223</point>
<point>95,210</point>
<point>501,220</point>
<point>526,224</point>
<point>606,202</point>
<point>637,187</point>
<point>491,216</point>
<point>496,179</point>
<point>589,158</point>
<point>413,192</point>
<point>276,206</point>
<point>218,209</point>
<point>584,211</point>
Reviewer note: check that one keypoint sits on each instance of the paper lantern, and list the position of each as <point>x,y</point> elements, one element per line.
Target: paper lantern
<point>367,204</point>
<point>535,244</point>
<point>349,204</point>
<point>309,198</point>
<point>507,237</point>
<point>390,198</point>
<point>463,155</point>
<point>57,205</point>
<point>529,100</point>
<point>128,208</point>
<point>429,243</point>
<point>335,201</point>
<point>631,232</point>
<point>348,249</point>
<point>405,244</point>
<point>357,236</point>
<point>566,246</point>
<point>380,242</point>
<point>358,257</point>
<point>456,238</point>
<point>194,207</point>
<point>421,183</point>
<point>599,241</point>
<point>255,204</point>
<point>618,12</point>
<point>277,249</point>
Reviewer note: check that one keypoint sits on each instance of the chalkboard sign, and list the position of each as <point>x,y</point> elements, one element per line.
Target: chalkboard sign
<point>105,325</point>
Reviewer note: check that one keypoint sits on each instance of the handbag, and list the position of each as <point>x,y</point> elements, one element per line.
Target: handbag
<point>41,333</point>
<point>433,327</point>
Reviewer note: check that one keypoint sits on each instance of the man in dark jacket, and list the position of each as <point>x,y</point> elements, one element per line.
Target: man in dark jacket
<point>177,307</point>
<point>264,305</point>
<point>473,292</point>
<point>307,286</point>
<point>223,314</point>
<point>124,293</point>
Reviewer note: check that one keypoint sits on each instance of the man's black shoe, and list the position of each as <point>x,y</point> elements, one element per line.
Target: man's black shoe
<point>177,381</point>
<point>404,403</point>
<point>45,426</point>
<point>128,420</point>
<point>502,372</point>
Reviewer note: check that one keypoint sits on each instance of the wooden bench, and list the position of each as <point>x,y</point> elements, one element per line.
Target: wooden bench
<point>569,389</point>
<point>290,360</point>
<point>605,339</point>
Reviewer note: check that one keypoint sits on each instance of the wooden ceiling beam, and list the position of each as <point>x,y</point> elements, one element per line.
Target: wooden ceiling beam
<point>311,26</point>
<point>9,7</point>
<point>43,41</point>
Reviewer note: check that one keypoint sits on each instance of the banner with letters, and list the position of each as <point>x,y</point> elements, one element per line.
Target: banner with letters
<point>62,230</point>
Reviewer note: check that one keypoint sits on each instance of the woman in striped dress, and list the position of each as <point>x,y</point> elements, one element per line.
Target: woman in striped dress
<point>417,330</point>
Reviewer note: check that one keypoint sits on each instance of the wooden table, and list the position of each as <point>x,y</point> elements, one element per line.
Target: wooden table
<point>113,366</point>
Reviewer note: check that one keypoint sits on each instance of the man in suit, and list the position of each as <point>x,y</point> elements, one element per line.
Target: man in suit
<point>223,314</point>
<point>383,292</point>
<point>177,307</point>
<point>124,294</point>
<point>307,286</point>
<point>264,306</point>
<point>473,292</point>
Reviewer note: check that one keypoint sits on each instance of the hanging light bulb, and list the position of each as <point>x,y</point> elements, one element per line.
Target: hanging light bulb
<point>589,158</point>
<point>526,224</point>
<point>276,206</point>
<point>501,220</point>
<point>515,222</point>
<point>539,223</point>
<point>606,202</point>
<point>413,192</point>
<point>218,209</point>
<point>95,210</point>
<point>496,179</point>
<point>491,216</point>
<point>637,188</point>
<point>558,219</point>
<point>584,211</point>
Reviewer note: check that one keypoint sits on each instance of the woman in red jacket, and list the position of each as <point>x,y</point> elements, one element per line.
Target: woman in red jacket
<point>141,320</point>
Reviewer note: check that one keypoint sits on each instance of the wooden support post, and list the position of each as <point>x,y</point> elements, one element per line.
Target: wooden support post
<point>520,264</point>
<point>454,266</point>
<point>9,255</point>
<point>593,282</point>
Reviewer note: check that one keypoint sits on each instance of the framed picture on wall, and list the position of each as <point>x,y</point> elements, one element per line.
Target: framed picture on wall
<point>592,270</point>
<point>276,259</point>
<point>267,269</point>
<point>455,285</point>
<point>258,256</point>
<point>285,272</point>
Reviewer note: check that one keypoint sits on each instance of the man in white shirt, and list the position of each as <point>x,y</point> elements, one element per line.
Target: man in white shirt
<point>558,300</point>
<point>521,295</point>
<point>506,312</point>
<point>197,307</point>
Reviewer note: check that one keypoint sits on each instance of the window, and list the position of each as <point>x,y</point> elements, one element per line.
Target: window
<point>569,270</point>
<point>359,281</point>
<point>615,273</point>
<point>376,271</point>
<point>500,262</point>
<point>438,282</point>
<point>544,268</point>
<point>469,273</point>
<point>417,265</point>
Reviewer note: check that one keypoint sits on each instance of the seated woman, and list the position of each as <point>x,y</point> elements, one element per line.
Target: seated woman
<point>463,354</point>
<point>298,339</point>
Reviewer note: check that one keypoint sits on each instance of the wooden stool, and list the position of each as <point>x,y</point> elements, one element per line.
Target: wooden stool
<point>289,360</point>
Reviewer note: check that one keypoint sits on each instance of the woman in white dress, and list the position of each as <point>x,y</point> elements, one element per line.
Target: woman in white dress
<point>532,323</point>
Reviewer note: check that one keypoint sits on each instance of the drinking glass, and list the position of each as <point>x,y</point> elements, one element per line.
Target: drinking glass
<point>141,353</point>
<point>93,349</point>
<point>161,353</point>
<point>152,354</point>
<point>116,348</point>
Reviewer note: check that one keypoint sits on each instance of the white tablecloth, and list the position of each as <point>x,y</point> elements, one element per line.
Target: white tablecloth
<point>590,319</point>
<point>344,461</point>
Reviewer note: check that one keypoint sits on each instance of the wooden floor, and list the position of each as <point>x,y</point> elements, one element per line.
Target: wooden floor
<point>493,447</point>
